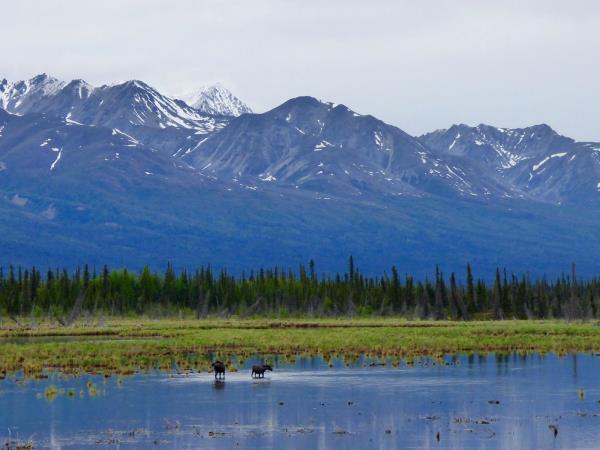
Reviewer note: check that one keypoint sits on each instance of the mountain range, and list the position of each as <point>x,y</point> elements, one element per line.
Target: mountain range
<point>126,175</point>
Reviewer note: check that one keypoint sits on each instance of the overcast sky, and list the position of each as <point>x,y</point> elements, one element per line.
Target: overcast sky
<point>420,65</point>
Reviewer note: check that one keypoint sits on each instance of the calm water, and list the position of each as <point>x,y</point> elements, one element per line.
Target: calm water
<point>313,406</point>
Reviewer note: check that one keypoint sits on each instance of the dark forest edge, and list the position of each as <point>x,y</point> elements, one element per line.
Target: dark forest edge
<point>279,293</point>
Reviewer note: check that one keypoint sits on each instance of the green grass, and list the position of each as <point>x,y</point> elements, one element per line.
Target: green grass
<point>124,346</point>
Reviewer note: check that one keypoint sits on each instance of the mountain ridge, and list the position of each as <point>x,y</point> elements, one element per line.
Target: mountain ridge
<point>324,147</point>
<point>124,175</point>
<point>536,160</point>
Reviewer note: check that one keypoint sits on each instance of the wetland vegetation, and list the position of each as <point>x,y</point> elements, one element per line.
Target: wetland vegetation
<point>117,321</point>
<point>124,346</point>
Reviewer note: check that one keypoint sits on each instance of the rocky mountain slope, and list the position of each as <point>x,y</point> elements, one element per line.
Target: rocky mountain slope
<point>536,160</point>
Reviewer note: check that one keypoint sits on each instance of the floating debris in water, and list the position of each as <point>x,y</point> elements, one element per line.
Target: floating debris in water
<point>216,433</point>
<point>173,426</point>
<point>92,390</point>
<point>51,392</point>
<point>431,417</point>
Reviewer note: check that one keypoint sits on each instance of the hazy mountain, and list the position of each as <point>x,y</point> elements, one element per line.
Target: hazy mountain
<point>216,100</point>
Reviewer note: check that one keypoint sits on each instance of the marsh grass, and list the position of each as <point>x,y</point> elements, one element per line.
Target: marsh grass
<point>126,346</point>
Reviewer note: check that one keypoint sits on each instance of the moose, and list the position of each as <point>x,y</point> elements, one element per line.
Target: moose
<point>219,368</point>
<point>258,371</point>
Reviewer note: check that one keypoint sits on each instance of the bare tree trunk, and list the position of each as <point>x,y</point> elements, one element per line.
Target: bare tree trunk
<point>200,305</point>
<point>253,308</point>
<point>75,312</point>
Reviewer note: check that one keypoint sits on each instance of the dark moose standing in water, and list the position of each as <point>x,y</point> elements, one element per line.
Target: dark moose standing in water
<point>258,371</point>
<point>219,369</point>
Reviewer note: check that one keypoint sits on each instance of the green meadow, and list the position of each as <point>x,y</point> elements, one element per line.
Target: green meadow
<point>126,346</point>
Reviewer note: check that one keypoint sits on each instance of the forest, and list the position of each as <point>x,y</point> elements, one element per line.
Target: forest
<point>280,293</point>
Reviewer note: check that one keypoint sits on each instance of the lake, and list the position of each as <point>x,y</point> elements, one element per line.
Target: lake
<point>491,402</point>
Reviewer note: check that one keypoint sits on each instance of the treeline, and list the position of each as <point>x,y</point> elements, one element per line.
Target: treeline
<point>66,295</point>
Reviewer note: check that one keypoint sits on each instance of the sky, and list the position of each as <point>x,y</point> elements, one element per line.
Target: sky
<point>419,65</point>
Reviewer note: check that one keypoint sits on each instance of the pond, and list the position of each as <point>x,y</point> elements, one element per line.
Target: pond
<point>492,402</point>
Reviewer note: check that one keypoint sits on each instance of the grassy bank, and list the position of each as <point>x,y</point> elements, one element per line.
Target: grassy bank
<point>127,345</point>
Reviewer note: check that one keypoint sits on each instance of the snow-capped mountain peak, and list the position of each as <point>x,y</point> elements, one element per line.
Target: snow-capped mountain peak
<point>22,95</point>
<point>216,100</point>
<point>82,88</point>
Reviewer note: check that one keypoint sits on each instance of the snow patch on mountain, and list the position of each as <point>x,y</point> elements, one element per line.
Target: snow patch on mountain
<point>546,159</point>
<point>58,151</point>
<point>131,142</point>
<point>323,145</point>
<point>267,177</point>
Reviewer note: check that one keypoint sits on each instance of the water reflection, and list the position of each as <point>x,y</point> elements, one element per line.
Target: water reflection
<point>462,402</point>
